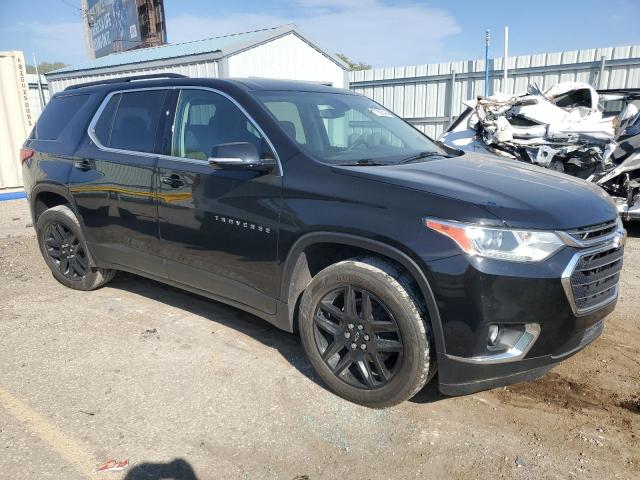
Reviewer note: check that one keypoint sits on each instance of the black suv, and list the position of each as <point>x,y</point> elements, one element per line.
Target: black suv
<point>323,213</point>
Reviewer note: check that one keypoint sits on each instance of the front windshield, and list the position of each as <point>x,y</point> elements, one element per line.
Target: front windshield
<point>342,129</point>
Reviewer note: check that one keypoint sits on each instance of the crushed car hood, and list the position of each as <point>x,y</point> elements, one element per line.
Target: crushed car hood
<point>520,195</point>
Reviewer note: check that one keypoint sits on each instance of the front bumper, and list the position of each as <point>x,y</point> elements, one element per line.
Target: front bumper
<point>473,293</point>
<point>458,377</point>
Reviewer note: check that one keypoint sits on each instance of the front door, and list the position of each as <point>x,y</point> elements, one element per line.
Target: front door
<point>113,180</point>
<point>218,227</point>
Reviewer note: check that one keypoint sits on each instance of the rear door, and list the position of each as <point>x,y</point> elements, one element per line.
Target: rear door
<point>218,227</point>
<point>113,180</point>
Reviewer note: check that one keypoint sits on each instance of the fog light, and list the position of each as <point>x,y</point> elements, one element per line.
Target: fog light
<point>494,331</point>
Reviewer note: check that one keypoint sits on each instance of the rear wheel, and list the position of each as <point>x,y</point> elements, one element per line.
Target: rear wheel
<point>64,249</point>
<point>365,333</point>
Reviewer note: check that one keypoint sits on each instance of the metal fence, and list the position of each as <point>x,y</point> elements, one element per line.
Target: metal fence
<point>431,96</point>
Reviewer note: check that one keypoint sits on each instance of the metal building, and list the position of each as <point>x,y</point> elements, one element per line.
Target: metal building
<point>280,52</point>
<point>38,93</point>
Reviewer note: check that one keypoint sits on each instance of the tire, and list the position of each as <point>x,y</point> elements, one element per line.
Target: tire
<point>65,251</point>
<point>333,335</point>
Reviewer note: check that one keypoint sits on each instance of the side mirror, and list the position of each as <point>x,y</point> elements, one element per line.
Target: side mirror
<point>239,155</point>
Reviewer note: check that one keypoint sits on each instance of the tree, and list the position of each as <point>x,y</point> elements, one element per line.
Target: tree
<point>45,67</point>
<point>352,64</point>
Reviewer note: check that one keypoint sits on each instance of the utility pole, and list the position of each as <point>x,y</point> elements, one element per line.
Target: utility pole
<point>487,39</point>
<point>87,30</point>
<point>505,59</point>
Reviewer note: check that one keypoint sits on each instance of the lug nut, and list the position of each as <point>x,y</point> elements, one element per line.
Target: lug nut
<point>347,335</point>
<point>363,347</point>
<point>351,326</point>
<point>366,337</point>
<point>360,327</point>
<point>353,346</point>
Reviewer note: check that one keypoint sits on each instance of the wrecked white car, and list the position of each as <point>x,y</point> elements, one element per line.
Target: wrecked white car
<point>570,127</point>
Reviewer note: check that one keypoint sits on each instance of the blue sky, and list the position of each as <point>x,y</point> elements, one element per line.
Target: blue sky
<point>379,32</point>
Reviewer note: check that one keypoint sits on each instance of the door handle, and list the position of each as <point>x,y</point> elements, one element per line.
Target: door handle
<point>173,180</point>
<point>83,165</point>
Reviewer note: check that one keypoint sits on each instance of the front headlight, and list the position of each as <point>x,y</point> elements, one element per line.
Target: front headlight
<point>499,243</point>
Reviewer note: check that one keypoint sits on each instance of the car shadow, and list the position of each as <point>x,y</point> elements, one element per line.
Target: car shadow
<point>287,344</point>
<point>177,469</point>
<point>429,394</point>
<point>633,229</point>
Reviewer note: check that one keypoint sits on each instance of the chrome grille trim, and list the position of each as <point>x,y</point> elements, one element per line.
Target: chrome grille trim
<point>592,235</point>
<point>593,231</point>
<point>574,288</point>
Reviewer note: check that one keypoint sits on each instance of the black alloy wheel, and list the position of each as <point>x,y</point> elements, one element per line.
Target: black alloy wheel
<point>357,337</point>
<point>65,251</point>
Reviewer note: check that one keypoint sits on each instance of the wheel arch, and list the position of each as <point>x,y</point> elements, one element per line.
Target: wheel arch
<point>43,192</point>
<point>48,195</point>
<point>296,274</point>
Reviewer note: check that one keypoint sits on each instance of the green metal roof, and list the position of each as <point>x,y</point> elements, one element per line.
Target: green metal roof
<point>224,45</point>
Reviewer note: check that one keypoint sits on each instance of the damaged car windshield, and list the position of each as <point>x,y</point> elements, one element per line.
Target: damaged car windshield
<point>342,129</point>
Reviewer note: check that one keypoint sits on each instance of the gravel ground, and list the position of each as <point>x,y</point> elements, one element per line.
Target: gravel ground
<point>186,388</point>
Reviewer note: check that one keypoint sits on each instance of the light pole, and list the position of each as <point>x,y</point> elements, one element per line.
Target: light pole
<point>487,39</point>
<point>505,59</point>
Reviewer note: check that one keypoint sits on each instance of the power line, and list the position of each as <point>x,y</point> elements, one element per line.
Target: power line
<point>75,7</point>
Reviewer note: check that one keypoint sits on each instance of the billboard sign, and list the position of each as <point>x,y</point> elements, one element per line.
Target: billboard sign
<point>114,25</point>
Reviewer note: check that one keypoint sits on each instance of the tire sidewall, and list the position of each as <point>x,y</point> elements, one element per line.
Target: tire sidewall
<point>64,215</point>
<point>415,342</point>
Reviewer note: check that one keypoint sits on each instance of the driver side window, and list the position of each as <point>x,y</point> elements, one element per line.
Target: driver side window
<point>205,119</point>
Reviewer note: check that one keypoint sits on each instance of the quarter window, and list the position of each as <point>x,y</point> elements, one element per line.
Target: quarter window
<point>205,119</point>
<point>57,116</point>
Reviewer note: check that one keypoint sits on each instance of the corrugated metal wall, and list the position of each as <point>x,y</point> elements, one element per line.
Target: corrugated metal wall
<point>35,101</point>
<point>430,96</point>
<point>199,69</point>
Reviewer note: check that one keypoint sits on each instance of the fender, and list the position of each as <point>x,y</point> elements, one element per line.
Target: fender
<point>374,246</point>
<point>63,191</point>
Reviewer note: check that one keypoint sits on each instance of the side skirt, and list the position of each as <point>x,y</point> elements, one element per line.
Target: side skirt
<point>279,319</point>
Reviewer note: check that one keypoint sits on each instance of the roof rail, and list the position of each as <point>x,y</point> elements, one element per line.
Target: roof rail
<point>151,76</point>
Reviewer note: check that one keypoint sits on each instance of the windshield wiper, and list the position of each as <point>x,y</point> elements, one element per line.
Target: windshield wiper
<point>420,155</point>
<point>364,162</point>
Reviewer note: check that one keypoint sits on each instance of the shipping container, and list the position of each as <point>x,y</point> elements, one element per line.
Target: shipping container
<point>16,116</point>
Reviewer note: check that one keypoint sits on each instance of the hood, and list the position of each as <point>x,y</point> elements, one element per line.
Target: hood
<point>521,195</point>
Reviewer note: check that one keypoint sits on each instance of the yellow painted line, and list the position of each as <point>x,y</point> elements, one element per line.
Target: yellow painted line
<point>70,450</point>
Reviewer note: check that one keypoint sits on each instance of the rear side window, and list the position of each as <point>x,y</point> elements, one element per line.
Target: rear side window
<point>57,115</point>
<point>130,120</point>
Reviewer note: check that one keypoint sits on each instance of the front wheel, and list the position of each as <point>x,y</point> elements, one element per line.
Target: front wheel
<point>362,328</point>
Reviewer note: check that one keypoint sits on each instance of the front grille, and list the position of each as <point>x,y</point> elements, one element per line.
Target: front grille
<point>593,232</point>
<point>595,277</point>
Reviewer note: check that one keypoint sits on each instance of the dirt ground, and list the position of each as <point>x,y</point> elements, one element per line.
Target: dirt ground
<point>186,388</point>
